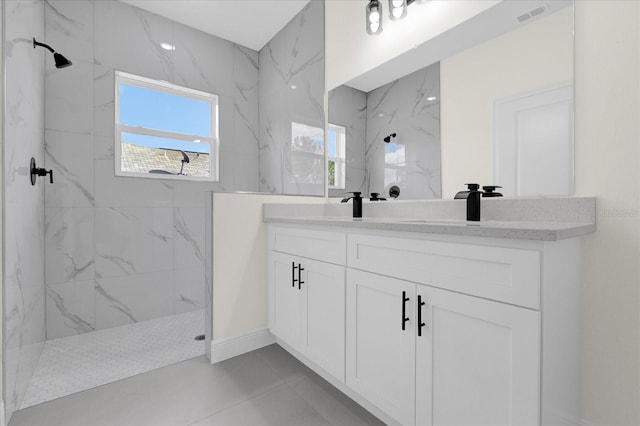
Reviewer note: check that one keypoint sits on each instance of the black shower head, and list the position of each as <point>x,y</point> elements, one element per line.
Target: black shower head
<point>61,61</point>
<point>388,138</point>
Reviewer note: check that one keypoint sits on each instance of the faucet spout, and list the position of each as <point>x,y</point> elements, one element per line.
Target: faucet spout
<point>357,203</point>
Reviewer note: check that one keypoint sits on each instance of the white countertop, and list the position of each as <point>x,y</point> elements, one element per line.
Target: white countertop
<point>544,231</point>
<point>534,218</point>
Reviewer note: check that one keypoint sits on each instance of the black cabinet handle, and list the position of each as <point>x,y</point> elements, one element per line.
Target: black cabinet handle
<point>421,324</point>
<point>405,299</point>
<point>300,282</point>
<point>293,274</point>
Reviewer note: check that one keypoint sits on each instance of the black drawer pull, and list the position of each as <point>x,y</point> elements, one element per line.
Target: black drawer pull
<point>293,274</point>
<point>405,299</point>
<point>421,324</point>
<point>300,282</point>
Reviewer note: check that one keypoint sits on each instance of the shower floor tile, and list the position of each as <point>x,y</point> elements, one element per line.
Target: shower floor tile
<point>77,363</point>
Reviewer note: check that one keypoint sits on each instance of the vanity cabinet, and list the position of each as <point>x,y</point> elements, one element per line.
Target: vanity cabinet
<point>307,298</point>
<point>441,357</point>
<point>435,329</point>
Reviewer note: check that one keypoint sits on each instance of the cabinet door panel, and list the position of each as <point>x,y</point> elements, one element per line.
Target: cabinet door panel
<point>286,316</point>
<point>380,355</point>
<point>323,316</point>
<point>477,362</point>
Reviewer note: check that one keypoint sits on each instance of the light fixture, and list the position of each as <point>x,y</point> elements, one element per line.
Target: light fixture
<point>167,46</point>
<point>431,98</point>
<point>397,11</point>
<point>61,61</point>
<point>374,17</point>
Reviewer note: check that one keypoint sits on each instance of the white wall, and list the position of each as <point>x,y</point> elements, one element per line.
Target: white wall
<point>240,261</point>
<point>607,166</point>
<point>535,56</point>
<point>351,51</point>
<point>607,51</point>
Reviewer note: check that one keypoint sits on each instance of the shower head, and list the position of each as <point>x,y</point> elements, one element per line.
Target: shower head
<point>388,138</point>
<point>61,61</point>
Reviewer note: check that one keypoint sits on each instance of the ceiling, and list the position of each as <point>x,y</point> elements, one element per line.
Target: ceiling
<point>250,23</point>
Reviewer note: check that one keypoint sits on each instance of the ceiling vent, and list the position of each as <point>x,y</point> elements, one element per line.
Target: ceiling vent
<point>535,12</point>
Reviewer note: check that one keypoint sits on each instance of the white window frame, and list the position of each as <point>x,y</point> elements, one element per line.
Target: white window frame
<point>340,161</point>
<point>166,87</point>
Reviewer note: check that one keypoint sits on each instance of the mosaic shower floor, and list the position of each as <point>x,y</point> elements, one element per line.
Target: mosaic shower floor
<point>77,363</point>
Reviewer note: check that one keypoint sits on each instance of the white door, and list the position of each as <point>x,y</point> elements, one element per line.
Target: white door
<point>380,354</point>
<point>533,142</point>
<point>323,315</point>
<point>286,306</point>
<point>478,361</point>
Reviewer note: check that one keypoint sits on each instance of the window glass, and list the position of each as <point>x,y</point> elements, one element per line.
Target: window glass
<point>164,130</point>
<point>336,150</point>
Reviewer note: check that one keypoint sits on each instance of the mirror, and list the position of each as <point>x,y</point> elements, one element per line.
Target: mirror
<point>490,101</point>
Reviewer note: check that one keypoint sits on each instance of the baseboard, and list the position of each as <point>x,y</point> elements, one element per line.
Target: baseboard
<point>2,418</point>
<point>228,347</point>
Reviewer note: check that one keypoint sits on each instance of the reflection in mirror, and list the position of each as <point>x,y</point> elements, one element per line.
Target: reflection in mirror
<point>490,101</point>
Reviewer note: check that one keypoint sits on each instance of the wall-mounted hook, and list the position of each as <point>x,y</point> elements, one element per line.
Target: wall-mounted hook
<point>39,171</point>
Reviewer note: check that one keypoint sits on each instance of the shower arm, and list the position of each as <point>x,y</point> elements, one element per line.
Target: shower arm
<point>36,43</point>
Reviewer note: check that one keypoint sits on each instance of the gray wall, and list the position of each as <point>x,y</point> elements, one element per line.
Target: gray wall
<point>121,250</point>
<point>348,108</point>
<point>292,90</point>
<point>402,107</point>
<point>24,204</point>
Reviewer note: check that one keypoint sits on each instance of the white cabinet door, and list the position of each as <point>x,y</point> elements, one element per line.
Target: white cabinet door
<point>380,354</point>
<point>478,362</point>
<point>323,315</point>
<point>286,306</point>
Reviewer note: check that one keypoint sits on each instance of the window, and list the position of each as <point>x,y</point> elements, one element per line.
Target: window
<point>307,158</point>
<point>165,131</point>
<point>395,162</point>
<point>337,156</point>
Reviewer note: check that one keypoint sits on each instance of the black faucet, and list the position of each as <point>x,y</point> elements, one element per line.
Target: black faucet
<point>357,203</point>
<point>375,196</point>
<point>473,202</point>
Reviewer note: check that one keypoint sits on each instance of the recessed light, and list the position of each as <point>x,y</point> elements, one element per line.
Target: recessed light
<point>167,46</point>
<point>431,98</point>
<point>381,115</point>
<point>293,86</point>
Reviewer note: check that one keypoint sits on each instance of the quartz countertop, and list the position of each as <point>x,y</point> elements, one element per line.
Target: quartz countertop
<point>544,231</point>
<point>559,218</point>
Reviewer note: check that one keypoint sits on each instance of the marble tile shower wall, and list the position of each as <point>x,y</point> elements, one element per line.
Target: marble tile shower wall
<point>292,90</point>
<point>348,108</point>
<point>121,250</point>
<point>24,297</point>
<point>413,162</point>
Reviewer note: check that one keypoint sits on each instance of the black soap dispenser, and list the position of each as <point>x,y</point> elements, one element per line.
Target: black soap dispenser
<point>473,202</point>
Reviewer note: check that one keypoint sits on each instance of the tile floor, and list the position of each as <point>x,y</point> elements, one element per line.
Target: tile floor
<point>76,363</point>
<point>263,387</point>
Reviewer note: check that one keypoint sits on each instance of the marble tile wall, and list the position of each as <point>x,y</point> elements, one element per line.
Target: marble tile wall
<point>348,108</point>
<point>24,282</point>
<point>292,90</point>
<point>121,250</point>
<point>412,159</point>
